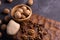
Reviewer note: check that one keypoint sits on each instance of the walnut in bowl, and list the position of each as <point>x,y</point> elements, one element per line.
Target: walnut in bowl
<point>21,12</point>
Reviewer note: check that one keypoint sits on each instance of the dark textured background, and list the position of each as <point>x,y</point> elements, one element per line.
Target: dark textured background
<point>46,8</point>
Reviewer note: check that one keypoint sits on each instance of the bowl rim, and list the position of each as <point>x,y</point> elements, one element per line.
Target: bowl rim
<point>15,7</point>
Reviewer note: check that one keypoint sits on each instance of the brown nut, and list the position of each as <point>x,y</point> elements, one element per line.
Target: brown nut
<point>0,21</point>
<point>17,15</point>
<point>6,11</point>
<point>24,37</point>
<point>6,18</point>
<point>24,8</point>
<point>0,34</point>
<point>0,2</point>
<point>23,16</point>
<point>3,26</point>
<point>31,31</point>
<point>9,1</point>
<point>26,12</point>
<point>30,2</point>
<point>20,10</point>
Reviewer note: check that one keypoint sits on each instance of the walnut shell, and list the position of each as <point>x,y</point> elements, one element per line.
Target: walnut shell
<point>24,8</point>
<point>31,32</point>
<point>20,10</point>
<point>23,16</point>
<point>26,12</point>
<point>17,15</point>
<point>3,26</point>
<point>30,2</point>
<point>7,18</point>
<point>0,34</point>
<point>0,21</point>
<point>6,11</point>
<point>0,2</point>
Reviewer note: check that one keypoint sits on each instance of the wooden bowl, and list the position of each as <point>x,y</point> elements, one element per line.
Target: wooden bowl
<point>18,6</point>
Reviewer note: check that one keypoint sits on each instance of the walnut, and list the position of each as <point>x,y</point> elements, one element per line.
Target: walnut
<point>6,11</point>
<point>17,15</point>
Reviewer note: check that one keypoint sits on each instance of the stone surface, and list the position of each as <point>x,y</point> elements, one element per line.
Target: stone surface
<point>12,27</point>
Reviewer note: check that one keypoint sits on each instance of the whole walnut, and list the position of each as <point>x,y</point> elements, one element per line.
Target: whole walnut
<point>17,15</point>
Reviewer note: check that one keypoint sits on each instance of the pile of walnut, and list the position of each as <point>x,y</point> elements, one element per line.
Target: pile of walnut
<point>31,30</point>
<point>22,12</point>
